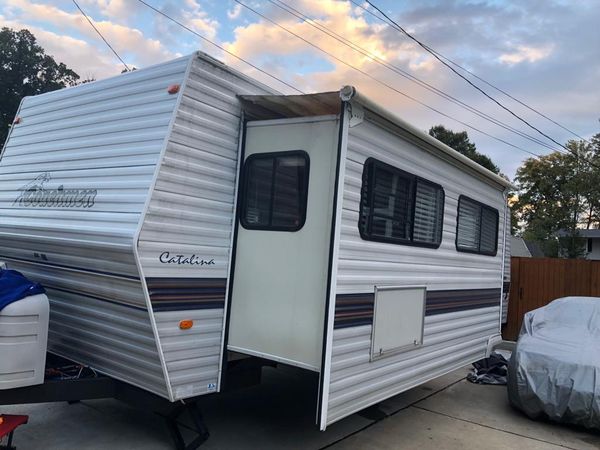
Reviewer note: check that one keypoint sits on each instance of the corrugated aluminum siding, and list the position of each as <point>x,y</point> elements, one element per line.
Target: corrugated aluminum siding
<point>192,356</point>
<point>364,264</point>
<point>112,338</point>
<point>191,210</point>
<point>451,339</point>
<point>191,213</point>
<point>105,136</point>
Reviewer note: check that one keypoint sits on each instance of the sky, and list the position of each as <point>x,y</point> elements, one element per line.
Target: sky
<point>546,53</point>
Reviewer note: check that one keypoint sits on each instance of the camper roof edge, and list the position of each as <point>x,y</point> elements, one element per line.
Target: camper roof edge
<point>348,93</point>
<point>212,60</point>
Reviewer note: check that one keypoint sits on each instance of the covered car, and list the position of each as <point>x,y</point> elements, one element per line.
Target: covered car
<point>554,371</point>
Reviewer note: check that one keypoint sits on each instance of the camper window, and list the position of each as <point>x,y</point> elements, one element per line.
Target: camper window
<point>399,207</point>
<point>275,191</point>
<point>476,227</point>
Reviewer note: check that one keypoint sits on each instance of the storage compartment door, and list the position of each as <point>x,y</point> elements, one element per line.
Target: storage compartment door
<point>398,320</point>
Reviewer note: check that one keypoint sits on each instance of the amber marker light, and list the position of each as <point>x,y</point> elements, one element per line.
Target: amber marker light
<point>186,324</point>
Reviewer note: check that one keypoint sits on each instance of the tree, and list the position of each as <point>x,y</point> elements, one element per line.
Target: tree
<point>461,143</point>
<point>558,194</point>
<point>25,69</point>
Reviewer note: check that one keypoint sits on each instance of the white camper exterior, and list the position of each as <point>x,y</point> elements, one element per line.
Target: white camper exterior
<point>343,254</point>
<point>118,197</point>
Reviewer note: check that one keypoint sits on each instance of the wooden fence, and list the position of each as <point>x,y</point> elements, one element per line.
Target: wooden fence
<point>536,282</point>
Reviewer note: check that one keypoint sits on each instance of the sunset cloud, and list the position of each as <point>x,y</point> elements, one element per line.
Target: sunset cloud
<point>524,53</point>
<point>75,53</point>
<point>135,48</point>
<point>267,42</point>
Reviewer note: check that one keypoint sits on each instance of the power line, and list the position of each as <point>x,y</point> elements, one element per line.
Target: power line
<point>398,27</point>
<point>324,29</point>
<point>431,50</point>
<point>100,34</point>
<point>368,75</point>
<point>502,91</point>
<point>220,47</point>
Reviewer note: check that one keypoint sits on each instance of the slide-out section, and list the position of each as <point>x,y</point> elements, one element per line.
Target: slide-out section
<point>461,291</point>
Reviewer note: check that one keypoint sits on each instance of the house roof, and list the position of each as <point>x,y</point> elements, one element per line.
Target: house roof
<point>534,248</point>
<point>589,233</point>
<point>518,247</point>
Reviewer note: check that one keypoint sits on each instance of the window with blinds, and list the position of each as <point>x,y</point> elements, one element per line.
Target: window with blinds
<point>476,227</point>
<point>399,207</point>
<point>275,191</point>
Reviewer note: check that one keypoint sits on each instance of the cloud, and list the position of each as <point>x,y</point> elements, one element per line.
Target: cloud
<point>130,43</point>
<point>266,42</point>
<point>235,12</point>
<point>198,19</point>
<point>75,53</point>
<point>524,53</point>
<point>116,9</point>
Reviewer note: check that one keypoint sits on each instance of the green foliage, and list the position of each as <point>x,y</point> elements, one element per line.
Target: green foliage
<point>571,246</point>
<point>461,143</point>
<point>25,69</point>
<point>560,192</point>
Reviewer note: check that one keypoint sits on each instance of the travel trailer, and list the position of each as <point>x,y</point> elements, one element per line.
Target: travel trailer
<point>184,214</point>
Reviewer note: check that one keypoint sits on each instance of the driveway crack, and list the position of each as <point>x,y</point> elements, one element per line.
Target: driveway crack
<point>490,427</point>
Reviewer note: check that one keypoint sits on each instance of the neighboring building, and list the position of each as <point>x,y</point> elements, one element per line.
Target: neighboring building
<point>592,245</point>
<point>525,249</point>
<point>535,249</point>
<point>518,247</point>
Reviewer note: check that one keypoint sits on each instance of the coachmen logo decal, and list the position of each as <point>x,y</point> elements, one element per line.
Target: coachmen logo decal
<point>35,193</point>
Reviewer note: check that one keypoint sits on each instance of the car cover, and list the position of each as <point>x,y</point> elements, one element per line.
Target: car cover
<point>554,371</point>
<point>14,286</point>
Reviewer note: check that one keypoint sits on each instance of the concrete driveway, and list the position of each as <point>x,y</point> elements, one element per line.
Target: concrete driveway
<point>447,413</point>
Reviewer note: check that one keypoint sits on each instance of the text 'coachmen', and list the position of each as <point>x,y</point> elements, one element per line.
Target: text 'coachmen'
<point>36,194</point>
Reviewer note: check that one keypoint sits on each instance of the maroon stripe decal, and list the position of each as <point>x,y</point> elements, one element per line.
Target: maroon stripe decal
<point>172,294</point>
<point>357,309</point>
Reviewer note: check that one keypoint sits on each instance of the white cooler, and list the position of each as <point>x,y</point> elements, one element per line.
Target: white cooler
<point>23,340</point>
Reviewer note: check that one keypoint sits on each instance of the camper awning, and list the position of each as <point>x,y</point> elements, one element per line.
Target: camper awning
<point>264,107</point>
